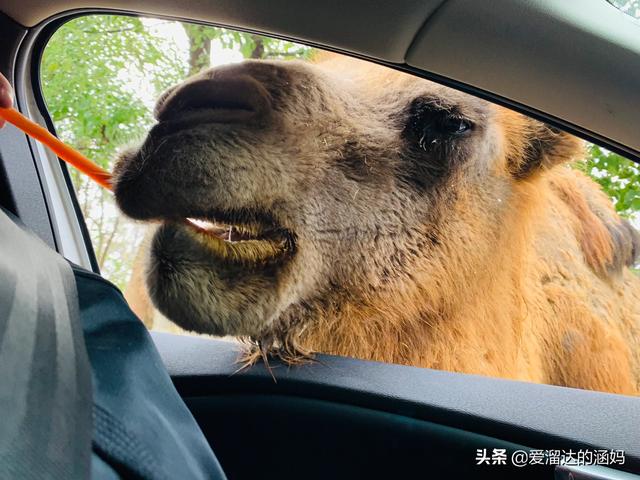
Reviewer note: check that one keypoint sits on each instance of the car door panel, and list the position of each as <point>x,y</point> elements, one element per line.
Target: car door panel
<point>498,412</point>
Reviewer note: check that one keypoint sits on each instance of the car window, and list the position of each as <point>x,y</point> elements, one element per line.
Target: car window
<point>630,7</point>
<point>305,201</point>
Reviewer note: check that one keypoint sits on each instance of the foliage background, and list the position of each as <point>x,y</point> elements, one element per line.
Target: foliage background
<point>101,73</point>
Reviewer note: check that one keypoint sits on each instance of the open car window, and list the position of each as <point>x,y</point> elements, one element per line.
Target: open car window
<point>410,222</point>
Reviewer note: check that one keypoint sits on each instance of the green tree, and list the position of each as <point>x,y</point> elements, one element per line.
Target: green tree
<point>618,177</point>
<point>250,45</point>
<point>91,72</point>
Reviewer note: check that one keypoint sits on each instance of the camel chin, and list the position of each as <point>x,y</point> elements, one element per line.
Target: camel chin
<point>209,275</point>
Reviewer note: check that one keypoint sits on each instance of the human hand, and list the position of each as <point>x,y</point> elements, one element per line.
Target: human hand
<point>6,95</point>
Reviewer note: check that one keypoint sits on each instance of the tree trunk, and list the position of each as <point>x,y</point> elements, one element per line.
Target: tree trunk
<point>199,47</point>
<point>258,47</point>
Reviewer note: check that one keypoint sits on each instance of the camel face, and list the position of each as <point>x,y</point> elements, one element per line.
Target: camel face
<point>283,185</point>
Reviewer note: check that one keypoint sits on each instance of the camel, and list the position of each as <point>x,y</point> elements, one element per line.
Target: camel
<point>347,208</point>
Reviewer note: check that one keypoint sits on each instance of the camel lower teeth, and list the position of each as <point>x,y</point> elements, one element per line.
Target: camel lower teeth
<point>201,223</point>
<point>226,232</point>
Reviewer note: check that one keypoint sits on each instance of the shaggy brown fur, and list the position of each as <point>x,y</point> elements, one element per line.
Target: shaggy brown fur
<point>388,218</point>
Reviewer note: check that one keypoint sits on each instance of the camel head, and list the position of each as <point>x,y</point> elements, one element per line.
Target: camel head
<point>286,190</point>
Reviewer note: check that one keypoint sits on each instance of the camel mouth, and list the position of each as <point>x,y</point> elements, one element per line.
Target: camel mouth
<point>246,242</point>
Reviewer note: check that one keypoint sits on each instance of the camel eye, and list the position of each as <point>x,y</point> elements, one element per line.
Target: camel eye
<point>455,126</point>
<point>429,124</point>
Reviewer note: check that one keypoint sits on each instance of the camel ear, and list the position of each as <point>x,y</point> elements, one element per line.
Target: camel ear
<point>532,146</point>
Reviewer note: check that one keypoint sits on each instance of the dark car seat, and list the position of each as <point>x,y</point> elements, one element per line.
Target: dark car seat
<point>83,391</point>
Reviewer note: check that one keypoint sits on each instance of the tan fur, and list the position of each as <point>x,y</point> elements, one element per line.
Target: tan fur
<point>512,264</point>
<point>136,290</point>
<point>533,320</point>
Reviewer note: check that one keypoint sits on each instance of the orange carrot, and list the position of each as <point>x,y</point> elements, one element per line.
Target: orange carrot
<point>61,149</point>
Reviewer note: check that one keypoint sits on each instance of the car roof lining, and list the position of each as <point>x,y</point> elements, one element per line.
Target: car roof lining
<point>551,66</point>
<point>344,25</point>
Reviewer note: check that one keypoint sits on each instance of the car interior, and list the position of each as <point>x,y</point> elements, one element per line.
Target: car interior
<point>341,417</point>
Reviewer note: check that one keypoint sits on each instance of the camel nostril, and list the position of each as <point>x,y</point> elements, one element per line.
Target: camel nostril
<point>226,99</point>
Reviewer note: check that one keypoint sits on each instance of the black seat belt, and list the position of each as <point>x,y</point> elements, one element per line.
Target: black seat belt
<point>45,377</point>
